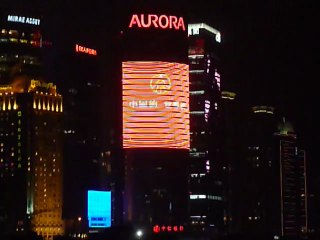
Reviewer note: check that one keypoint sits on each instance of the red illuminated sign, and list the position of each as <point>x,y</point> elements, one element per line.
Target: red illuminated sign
<point>155,105</point>
<point>155,21</point>
<point>86,50</point>
<point>170,228</point>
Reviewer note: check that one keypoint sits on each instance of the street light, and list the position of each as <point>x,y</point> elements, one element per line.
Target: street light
<point>139,233</point>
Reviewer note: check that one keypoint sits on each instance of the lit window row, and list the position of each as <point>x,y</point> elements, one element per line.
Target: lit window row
<point>200,92</point>
<point>195,175</point>
<point>203,196</point>
<point>8,103</point>
<point>198,71</point>
<point>196,112</point>
<point>47,103</point>
<point>194,56</point>
<point>254,218</point>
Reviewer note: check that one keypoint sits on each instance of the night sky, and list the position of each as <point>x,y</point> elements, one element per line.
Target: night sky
<point>269,49</point>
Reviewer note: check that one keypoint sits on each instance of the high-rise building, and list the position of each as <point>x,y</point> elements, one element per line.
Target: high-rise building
<point>155,119</point>
<point>22,46</point>
<point>230,123</point>
<point>273,202</point>
<point>31,145</point>
<point>292,219</point>
<point>206,200</point>
<point>78,72</point>
<point>31,157</point>
<point>256,173</point>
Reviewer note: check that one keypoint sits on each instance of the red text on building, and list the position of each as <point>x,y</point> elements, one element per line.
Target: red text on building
<point>155,21</point>
<point>160,229</point>
<point>86,50</point>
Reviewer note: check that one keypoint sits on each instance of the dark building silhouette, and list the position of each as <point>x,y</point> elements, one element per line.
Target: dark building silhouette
<point>86,154</point>
<point>293,183</point>
<point>230,156</point>
<point>273,203</point>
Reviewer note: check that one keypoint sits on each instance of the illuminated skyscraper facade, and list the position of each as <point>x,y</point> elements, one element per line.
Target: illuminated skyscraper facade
<point>31,147</point>
<point>206,198</point>
<point>155,119</point>
<point>31,144</point>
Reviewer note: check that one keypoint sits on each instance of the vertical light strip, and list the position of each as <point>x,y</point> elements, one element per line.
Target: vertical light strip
<point>281,190</point>
<point>305,189</point>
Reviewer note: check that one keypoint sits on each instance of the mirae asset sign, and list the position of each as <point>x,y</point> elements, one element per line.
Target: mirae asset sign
<point>22,19</point>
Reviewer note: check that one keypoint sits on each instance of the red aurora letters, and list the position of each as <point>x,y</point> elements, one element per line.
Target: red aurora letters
<point>155,21</point>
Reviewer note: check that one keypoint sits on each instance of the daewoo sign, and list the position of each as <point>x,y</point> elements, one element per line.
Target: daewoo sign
<point>86,50</point>
<point>155,21</point>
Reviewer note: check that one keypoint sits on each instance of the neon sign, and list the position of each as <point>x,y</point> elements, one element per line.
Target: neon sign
<point>155,102</point>
<point>155,21</point>
<point>86,50</point>
<point>22,19</point>
<point>158,229</point>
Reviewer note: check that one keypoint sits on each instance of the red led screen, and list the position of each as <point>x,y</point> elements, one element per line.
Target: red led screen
<point>155,98</point>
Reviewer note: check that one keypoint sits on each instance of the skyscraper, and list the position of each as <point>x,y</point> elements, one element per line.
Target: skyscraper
<point>155,119</point>
<point>78,78</point>
<point>257,173</point>
<point>293,216</point>
<point>31,157</point>
<point>273,203</point>
<point>206,201</point>
<point>31,145</point>
<point>230,149</point>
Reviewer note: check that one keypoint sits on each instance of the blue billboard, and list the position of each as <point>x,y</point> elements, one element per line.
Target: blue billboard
<point>99,209</point>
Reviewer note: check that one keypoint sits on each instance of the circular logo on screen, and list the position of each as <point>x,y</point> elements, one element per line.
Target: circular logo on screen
<point>160,83</point>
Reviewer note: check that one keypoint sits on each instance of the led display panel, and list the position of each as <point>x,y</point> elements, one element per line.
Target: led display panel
<point>99,209</point>
<point>155,98</point>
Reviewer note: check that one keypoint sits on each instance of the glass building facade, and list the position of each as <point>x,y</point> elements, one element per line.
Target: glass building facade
<point>206,199</point>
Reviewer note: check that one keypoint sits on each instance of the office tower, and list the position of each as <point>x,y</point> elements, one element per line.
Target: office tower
<point>78,69</point>
<point>293,215</point>
<point>206,201</point>
<point>273,204</point>
<point>230,122</point>
<point>31,157</point>
<point>256,175</point>
<point>155,119</point>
